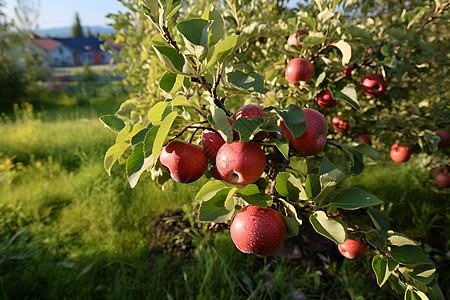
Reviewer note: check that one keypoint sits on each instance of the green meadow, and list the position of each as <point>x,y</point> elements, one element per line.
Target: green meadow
<point>68,230</point>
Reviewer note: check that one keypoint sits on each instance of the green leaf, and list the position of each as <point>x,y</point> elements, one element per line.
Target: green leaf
<point>215,208</point>
<point>129,131</point>
<point>124,134</point>
<point>217,30</point>
<point>173,60</point>
<point>332,228</point>
<point>252,82</point>
<point>418,16</point>
<point>221,122</point>
<point>253,196</point>
<point>209,190</point>
<point>379,219</point>
<point>195,35</point>
<point>354,198</point>
<point>140,136</point>
<point>294,119</point>
<point>411,294</point>
<point>162,133</point>
<point>368,150</point>
<point>312,186</point>
<point>346,51</point>
<point>399,239</point>
<point>113,154</point>
<point>257,29</point>
<point>325,15</point>
<point>172,7</point>
<point>410,256</point>
<point>247,128</point>
<point>357,161</point>
<point>326,166</point>
<point>314,39</point>
<point>137,164</point>
<point>127,107</point>
<point>396,284</point>
<point>219,52</point>
<point>377,238</point>
<point>291,211</point>
<point>112,122</point>
<point>282,146</point>
<point>320,79</point>
<point>347,92</point>
<point>171,82</point>
<point>432,140</point>
<point>383,267</point>
<point>288,185</point>
<point>319,4</point>
<point>328,183</point>
<point>149,140</point>
<point>423,273</point>
<point>292,226</point>
<point>159,112</point>
<point>151,9</point>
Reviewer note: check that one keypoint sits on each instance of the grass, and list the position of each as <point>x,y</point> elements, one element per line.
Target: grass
<point>70,231</point>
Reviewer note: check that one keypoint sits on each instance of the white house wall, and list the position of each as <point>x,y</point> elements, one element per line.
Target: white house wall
<point>61,56</point>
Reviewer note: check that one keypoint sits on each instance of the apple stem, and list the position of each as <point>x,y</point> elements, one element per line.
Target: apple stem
<point>355,229</point>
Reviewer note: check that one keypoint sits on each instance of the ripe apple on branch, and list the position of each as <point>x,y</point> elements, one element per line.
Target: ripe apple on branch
<point>259,147</point>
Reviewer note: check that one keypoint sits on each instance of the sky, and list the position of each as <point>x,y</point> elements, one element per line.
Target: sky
<point>61,13</point>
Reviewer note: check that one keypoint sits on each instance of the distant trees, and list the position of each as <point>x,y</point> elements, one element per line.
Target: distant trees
<point>20,66</point>
<point>77,29</point>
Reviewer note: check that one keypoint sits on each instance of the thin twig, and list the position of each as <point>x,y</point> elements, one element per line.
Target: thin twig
<point>355,229</point>
<point>335,144</point>
<point>189,127</point>
<point>444,7</point>
<point>199,79</point>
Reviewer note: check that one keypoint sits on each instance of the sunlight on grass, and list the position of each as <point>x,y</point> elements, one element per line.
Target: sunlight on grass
<point>68,230</point>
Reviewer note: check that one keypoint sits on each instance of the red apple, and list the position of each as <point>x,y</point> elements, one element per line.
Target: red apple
<point>257,230</point>
<point>400,153</point>
<point>445,138</point>
<point>325,99</point>
<point>240,162</point>
<point>340,124</point>
<point>315,136</point>
<point>365,138</point>
<point>299,69</point>
<point>293,38</point>
<point>352,248</point>
<point>185,162</point>
<point>249,111</point>
<point>348,71</point>
<point>374,85</point>
<point>442,177</point>
<point>211,143</point>
<point>302,32</point>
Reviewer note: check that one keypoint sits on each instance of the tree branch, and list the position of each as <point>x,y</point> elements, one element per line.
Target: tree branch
<point>200,79</point>
<point>443,7</point>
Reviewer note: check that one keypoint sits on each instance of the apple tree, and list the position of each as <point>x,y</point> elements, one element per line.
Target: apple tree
<point>265,124</point>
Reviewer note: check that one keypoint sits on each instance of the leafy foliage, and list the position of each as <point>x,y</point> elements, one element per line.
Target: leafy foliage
<point>209,63</point>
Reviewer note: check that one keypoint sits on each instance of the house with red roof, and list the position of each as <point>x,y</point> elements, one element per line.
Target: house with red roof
<point>66,52</point>
<point>57,54</point>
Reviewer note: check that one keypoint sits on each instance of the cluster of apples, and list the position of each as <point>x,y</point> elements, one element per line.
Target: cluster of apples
<point>374,85</point>
<point>256,230</point>
<point>239,163</point>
